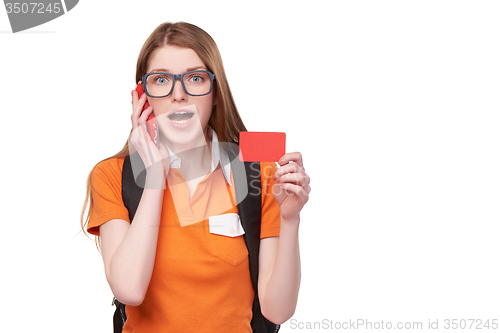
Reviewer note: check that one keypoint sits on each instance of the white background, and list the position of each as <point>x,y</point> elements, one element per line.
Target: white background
<point>393,104</point>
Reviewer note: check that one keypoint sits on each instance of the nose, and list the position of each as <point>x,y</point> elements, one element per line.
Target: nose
<point>178,94</point>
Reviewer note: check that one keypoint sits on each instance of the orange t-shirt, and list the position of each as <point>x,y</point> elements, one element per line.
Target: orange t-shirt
<point>201,280</point>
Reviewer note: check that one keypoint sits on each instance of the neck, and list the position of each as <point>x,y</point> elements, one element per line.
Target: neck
<point>195,155</point>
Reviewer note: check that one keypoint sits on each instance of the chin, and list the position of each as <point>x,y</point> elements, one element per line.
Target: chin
<point>192,136</point>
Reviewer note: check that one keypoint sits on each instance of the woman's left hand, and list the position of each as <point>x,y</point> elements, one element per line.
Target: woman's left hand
<point>292,185</point>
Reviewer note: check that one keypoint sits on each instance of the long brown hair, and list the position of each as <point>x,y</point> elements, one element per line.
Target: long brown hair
<point>225,119</point>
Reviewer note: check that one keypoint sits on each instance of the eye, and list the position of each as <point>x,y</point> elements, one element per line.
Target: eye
<point>196,78</point>
<point>161,79</point>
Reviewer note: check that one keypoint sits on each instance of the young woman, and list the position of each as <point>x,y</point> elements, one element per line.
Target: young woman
<point>182,265</point>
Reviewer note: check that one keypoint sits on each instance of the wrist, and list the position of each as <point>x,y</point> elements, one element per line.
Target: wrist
<point>155,178</point>
<point>292,222</point>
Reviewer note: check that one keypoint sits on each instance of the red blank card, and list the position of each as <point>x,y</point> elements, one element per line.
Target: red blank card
<point>262,146</point>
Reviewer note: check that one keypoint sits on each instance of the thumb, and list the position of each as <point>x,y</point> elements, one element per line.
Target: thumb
<point>164,152</point>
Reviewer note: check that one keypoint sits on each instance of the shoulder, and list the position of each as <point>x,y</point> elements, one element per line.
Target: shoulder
<point>106,201</point>
<point>108,170</point>
<point>112,164</point>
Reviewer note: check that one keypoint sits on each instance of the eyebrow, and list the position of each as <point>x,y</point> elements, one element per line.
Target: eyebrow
<point>187,70</point>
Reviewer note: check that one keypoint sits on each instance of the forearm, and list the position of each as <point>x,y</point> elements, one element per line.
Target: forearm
<point>132,264</point>
<point>281,293</point>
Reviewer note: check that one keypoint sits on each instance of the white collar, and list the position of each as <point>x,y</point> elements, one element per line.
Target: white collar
<point>219,155</point>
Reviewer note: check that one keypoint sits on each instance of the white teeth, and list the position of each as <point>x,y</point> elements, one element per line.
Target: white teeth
<point>180,121</point>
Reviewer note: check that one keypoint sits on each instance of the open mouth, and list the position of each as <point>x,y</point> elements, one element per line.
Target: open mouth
<point>181,117</point>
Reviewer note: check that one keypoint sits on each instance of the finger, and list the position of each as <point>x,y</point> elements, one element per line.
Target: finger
<point>137,102</point>
<point>151,146</point>
<point>134,101</point>
<point>300,192</point>
<point>291,157</point>
<point>294,178</point>
<point>165,155</point>
<point>164,151</point>
<point>133,96</point>
<point>143,118</point>
<point>138,112</point>
<point>288,168</point>
<point>140,135</point>
<point>145,141</point>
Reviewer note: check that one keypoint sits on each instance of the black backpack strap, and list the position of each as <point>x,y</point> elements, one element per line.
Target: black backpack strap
<point>131,192</point>
<point>119,317</point>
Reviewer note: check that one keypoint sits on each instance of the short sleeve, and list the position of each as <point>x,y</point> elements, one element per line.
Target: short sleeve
<point>270,216</point>
<point>106,187</point>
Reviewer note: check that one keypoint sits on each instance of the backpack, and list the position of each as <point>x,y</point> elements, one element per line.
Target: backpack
<point>250,216</point>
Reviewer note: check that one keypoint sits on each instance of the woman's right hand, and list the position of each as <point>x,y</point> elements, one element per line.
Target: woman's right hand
<point>156,160</point>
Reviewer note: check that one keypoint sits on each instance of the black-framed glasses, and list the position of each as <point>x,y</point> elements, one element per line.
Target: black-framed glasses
<point>161,84</point>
